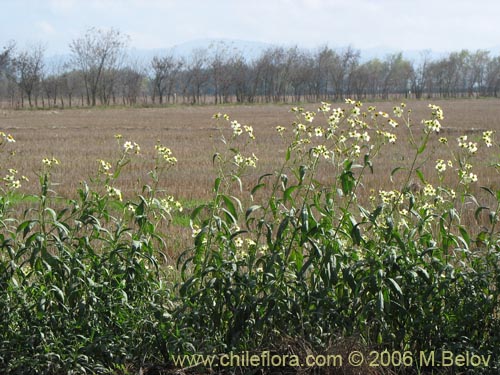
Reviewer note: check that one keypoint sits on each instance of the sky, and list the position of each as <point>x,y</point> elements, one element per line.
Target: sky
<point>437,25</point>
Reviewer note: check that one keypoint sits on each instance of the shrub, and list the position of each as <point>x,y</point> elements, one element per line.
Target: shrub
<point>317,260</point>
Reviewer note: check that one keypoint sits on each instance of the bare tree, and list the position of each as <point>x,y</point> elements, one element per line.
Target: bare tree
<point>97,54</point>
<point>340,70</point>
<point>493,76</point>
<point>29,67</point>
<point>6,69</point>
<point>6,57</point>
<point>197,74</point>
<point>130,80</point>
<point>164,74</point>
<point>397,75</point>
<point>420,76</point>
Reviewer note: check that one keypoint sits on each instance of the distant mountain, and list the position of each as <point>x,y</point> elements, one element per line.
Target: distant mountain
<point>248,49</point>
<point>251,50</point>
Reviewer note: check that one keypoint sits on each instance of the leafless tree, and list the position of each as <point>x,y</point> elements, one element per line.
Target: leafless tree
<point>340,70</point>
<point>197,75</point>
<point>492,76</point>
<point>397,73</point>
<point>29,67</point>
<point>131,79</point>
<point>164,74</point>
<point>96,55</point>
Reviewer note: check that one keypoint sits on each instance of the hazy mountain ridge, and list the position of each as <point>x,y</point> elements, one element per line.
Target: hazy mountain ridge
<point>251,50</point>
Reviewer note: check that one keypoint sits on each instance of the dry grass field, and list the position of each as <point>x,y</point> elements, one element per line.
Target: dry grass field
<point>79,137</point>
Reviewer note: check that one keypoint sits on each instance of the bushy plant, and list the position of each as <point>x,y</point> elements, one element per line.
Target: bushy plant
<point>326,260</point>
<point>83,288</point>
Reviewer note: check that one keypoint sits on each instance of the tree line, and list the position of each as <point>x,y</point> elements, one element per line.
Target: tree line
<point>99,72</point>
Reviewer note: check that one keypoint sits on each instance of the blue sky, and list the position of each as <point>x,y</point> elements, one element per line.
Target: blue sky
<point>439,25</point>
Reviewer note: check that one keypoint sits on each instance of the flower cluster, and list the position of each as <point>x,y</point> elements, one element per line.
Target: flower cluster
<point>466,176</point>
<point>169,204</point>
<point>390,197</point>
<point>433,125</point>
<point>487,138</point>
<point>50,162</point>
<point>114,192</point>
<point>429,190</point>
<point>309,116</point>
<point>437,112</point>
<point>280,129</point>
<point>240,160</point>
<point>11,180</point>
<point>469,146</point>
<point>320,150</point>
<point>440,165</point>
<point>390,137</point>
<point>398,110</point>
<point>6,137</point>
<point>166,154</point>
<point>129,146</point>
<point>236,126</point>
<point>104,167</point>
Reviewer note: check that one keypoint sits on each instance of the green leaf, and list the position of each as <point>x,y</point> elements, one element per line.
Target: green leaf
<point>347,182</point>
<point>256,188</point>
<point>197,210</point>
<point>302,172</point>
<point>380,301</point>
<point>250,210</point>
<point>465,235</point>
<point>305,220</point>
<point>230,206</point>
<point>26,227</point>
<point>217,184</point>
<point>394,171</point>
<point>355,232</point>
<point>478,211</point>
<point>287,195</point>
<point>488,190</point>
<point>395,286</point>
<point>420,175</point>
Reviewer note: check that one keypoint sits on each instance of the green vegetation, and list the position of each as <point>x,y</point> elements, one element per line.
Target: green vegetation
<point>85,288</point>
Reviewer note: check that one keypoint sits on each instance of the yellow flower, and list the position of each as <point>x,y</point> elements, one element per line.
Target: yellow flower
<point>487,138</point>
<point>437,112</point>
<point>318,132</point>
<point>49,162</point>
<point>433,125</point>
<point>238,159</point>
<point>320,150</point>
<point>280,129</point>
<point>325,107</point>
<point>429,190</point>
<point>398,111</point>
<point>393,123</point>
<point>114,192</point>
<point>309,116</point>
<point>236,128</point>
<point>440,165</point>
